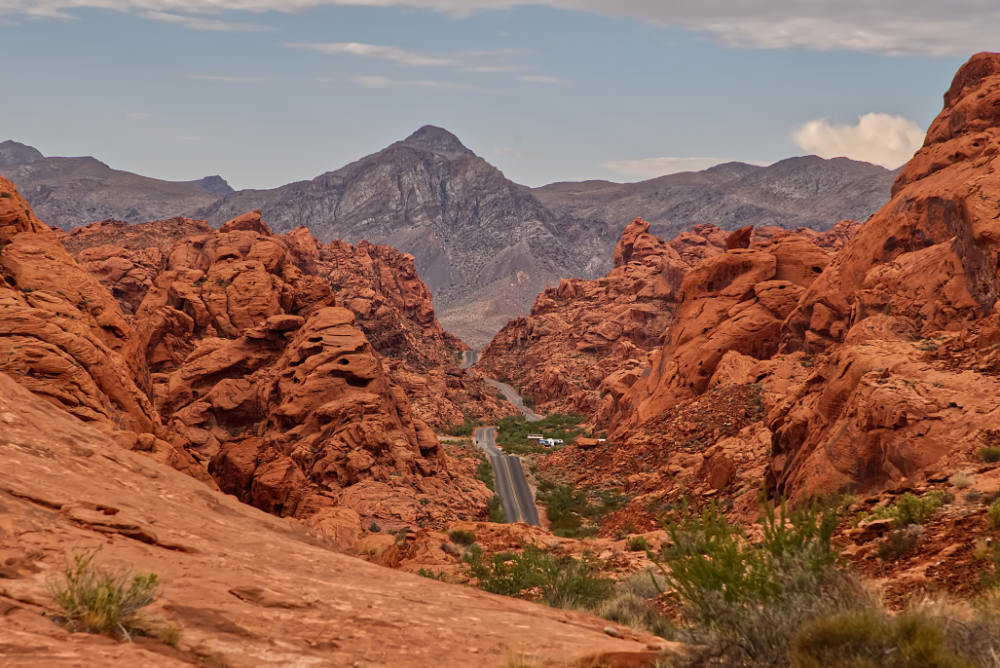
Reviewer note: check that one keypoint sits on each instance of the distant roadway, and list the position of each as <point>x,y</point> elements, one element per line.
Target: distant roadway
<point>512,486</point>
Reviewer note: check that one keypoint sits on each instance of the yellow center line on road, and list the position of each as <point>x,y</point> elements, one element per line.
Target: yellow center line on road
<point>513,490</point>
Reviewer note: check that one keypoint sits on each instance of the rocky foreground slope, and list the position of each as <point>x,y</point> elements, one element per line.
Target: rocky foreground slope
<point>241,587</point>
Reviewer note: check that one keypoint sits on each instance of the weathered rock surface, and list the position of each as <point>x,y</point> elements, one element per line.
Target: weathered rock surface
<point>260,372</point>
<point>877,364</point>
<point>583,331</point>
<point>245,588</point>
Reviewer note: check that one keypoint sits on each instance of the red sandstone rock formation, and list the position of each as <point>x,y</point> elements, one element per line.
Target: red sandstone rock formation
<point>878,365</point>
<point>260,373</point>
<point>581,332</point>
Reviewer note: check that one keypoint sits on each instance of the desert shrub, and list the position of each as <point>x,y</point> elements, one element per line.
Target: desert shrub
<point>863,639</point>
<point>98,599</point>
<point>993,513</point>
<point>512,432</point>
<point>637,544</point>
<point>374,528</point>
<point>460,537</point>
<point>561,582</point>
<point>463,428</point>
<point>746,599</point>
<point>495,508</point>
<point>572,512</point>
<point>910,509</point>
<point>484,471</point>
<point>528,401</point>
<point>632,604</point>
<point>989,453</point>
<point>961,480</point>
<point>899,542</point>
<point>432,575</point>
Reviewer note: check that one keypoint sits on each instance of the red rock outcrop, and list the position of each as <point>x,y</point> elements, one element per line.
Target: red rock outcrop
<point>878,365</point>
<point>272,385</point>
<point>63,337</point>
<point>581,332</point>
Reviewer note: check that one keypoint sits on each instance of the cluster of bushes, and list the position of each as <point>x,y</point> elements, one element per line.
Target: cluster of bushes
<point>571,512</point>
<point>785,601</point>
<point>512,432</point>
<point>562,582</point>
<point>464,428</point>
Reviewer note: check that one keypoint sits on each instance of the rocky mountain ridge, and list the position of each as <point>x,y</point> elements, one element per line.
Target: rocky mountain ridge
<point>484,245</point>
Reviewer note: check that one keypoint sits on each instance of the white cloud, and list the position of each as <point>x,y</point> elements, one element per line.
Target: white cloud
<point>225,78</point>
<point>377,51</point>
<point>954,28</point>
<point>385,82</point>
<point>881,139</point>
<point>650,168</point>
<point>203,23</point>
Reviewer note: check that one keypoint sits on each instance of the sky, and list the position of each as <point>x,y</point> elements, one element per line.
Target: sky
<point>265,92</point>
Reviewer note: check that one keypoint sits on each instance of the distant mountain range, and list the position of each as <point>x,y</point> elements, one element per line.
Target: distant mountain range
<point>486,246</point>
<point>69,192</point>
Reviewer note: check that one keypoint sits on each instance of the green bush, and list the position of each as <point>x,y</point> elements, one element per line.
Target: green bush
<point>632,604</point>
<point>864,639</point>
<point>463,428</point>
<point>562,582</point>
<point>746,599</point>
<point>910,509</point>
<point>637,544</point>
<point>495,508</point>
<point>101,600</point>
<point>989,453</point>
<point>993,513</point>
<point>571,512</point>
<point>512,432</point>
<point>484,471</point>
<point>900,542</point>
<point>460,537</point>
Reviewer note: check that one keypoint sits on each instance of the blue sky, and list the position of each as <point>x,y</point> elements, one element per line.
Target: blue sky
<point>564,90</point>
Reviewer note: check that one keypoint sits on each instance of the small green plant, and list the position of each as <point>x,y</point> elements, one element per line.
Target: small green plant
<point>869,639</point>
<point>374,528</point>
<point>222,283</point>
<point>910,509</point>
<point>484,471</point>
<point>97,599</point>
<point>561,582</point>
<point>747,599</point>
<point>6,195</point>
<point>433,575</point>
<point>495,508</point>
<point>993,513</point>
<point>460,537</point>
<point>989,453</point>
<point>637,544</point>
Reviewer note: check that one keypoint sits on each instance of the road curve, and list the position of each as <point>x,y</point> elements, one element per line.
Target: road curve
<point>512,487</point>
<point>470,357</point>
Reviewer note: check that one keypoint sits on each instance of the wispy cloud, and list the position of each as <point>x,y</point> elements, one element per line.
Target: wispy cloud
<point>377,51</point>
<point>649,168</point>
<point>954,28</point>
<point>881,139</point>
<point>226,78</point>
<point>138,115</point>
<point>202,22</point>
<point>386,82</point>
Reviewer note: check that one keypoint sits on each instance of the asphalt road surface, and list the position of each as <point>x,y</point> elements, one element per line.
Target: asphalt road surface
<point>512,487</point>
<point>469,357</point>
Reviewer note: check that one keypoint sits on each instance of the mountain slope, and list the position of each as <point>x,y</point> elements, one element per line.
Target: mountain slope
<point>483,244</point>
<point>805,191</point>
<point>68,192</point>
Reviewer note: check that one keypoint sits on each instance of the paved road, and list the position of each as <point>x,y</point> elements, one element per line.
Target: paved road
<point>470,357</point>
<point>512,487</point>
